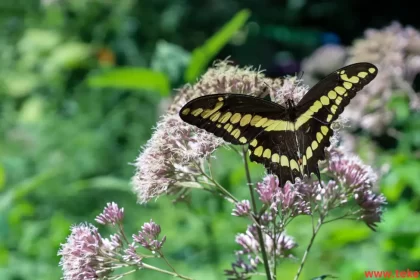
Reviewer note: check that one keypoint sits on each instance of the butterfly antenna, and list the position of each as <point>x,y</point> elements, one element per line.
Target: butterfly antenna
<point>300,74</point>
<point>265,91</point>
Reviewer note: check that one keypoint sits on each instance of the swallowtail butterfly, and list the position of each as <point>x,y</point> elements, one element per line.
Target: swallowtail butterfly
<point>289,141</point>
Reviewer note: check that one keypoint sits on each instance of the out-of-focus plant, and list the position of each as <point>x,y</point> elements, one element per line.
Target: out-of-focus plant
<point>383,123</point>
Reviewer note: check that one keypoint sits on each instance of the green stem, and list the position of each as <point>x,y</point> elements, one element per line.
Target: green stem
<point>257,218</point>
<point>165,271</point>
<point>167,262</point>
<point>311,242</point>
<point>217,185</point>
<point>119,276</point>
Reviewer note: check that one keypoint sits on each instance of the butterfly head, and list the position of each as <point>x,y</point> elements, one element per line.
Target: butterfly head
<point>291,109</point>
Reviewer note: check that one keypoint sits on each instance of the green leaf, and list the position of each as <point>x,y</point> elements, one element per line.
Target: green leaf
<point>400,105</point>
<point>132,78</point>
<point>102,183</point>
<point>2,177</point>
<point>201,56</point>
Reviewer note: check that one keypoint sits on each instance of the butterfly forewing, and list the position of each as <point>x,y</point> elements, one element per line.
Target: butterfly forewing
<point>237,118</point>
<point>322,105</point>
<point>288,141</point>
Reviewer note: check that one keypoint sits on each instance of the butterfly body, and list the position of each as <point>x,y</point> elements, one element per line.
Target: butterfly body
<point>288,140</point>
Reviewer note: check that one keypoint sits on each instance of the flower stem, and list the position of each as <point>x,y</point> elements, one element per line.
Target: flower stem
<point>165,271</point>
<point>257,218</point>
<point>311,242</point>
<point>167,262</point>
<point>225,192</point>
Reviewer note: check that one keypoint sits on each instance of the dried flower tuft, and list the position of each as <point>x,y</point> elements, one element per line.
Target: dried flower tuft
<point>242,208</point>
<point>111,215</point>
<point>86,255</point>
<point>148,237</point>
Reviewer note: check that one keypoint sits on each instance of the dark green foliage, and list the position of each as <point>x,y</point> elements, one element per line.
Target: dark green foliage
<point>66,144</point>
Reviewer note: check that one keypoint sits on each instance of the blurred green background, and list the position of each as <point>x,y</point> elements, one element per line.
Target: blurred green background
<point>82,83</point>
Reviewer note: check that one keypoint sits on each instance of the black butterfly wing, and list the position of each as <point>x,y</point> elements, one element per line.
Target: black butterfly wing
<point>278,151</point>
<point>242,119</point>
<point>287,149</point>
<point>237,118</point>
<point>322,105</point>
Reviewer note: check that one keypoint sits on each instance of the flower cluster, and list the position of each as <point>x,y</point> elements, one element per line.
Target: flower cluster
<point>395,50</point>
<point>111,214</point>
<point>277,245</point>
<point>286,201</point>
<point>88,255</point>
<point>148,237</point>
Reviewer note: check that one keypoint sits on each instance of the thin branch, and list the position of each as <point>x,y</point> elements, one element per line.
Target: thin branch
<point>257,218</point>
<point>311,242</point>
<point>165,271</point>
<point>217,185</point>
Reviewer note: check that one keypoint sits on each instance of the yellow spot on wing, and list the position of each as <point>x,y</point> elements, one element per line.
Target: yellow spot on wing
<point>352,79</point>
<point>258,151</point>
<point>242,140</point>
<point>226,116</point>
<point>316,106</point>
<point>215,117</point>
<point>324,129</point>
<point>275,158</point>
<point>219,125</point>
<point>332,94</point>
<point>185,111</point>
<point>347,85</point>
<point>340,90</point>
<point>284,161</point>
<point>338,100</point>
<point>268,123</point>
<point>236,133</point>
<point>304,162</point>
<point>294,165</point>
<point>319,137</point>
<point>333,109</point>
<point>197,112</point>
<point>261,122</point>
<point>325,100</point>
<point>372,70</point>
<point>309,153</point>
<point>267,153</point>
<point>362,74</point>
<point>235,118</point>
<point>207,113</point>
<point>246,119</point>
<point>280,126</point>
<point>255,120</point>
<point>329,118</point>
<point>254,143</point>
<point>220,98</point>
<point>228,127</point>
<point>314,145</point>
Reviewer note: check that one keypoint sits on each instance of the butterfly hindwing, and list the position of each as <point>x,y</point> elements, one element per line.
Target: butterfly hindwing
<point>278,152</point>
<point>237,118</point>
